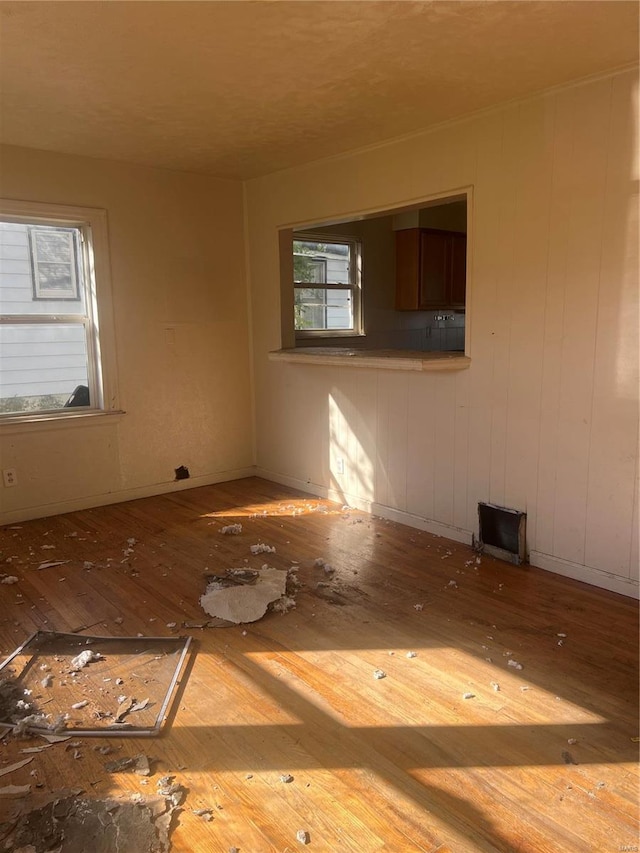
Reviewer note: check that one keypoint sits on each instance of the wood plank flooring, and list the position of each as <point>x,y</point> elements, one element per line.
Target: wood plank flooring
<point>542,758</point>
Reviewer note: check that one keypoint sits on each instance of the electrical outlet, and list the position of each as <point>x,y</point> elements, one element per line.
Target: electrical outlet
<point>340,466</point>
<point>10,477</point>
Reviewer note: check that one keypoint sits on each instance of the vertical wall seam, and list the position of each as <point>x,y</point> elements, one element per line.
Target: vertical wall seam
<point>595,337</point>
<point>250,329</point>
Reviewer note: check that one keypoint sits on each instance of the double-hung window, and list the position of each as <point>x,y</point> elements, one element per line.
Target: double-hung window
<point>326,281</point>
<point>53,269</point>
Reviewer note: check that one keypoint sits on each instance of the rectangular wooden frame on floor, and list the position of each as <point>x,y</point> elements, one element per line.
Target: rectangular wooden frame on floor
<point>50,654</point>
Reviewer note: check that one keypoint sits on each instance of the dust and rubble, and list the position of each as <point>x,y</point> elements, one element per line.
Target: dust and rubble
<point>261,548</point>
<point>139,764</point>
<point>231,529</point>
<point>84,659</point>
<point>64,820</point>
<point>205,814</point>
<point>171,790</point>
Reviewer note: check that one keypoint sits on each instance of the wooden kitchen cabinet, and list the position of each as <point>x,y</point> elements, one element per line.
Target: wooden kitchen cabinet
<point>430,269</point>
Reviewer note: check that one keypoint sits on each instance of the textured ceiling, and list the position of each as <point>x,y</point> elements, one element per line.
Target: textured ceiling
<point>238,89</point>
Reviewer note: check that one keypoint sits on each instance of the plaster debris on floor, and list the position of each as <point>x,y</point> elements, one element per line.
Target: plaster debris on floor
<point>231,529</point>
<point>243,595</point>
<point>64,820</point>
<point>261,548</point>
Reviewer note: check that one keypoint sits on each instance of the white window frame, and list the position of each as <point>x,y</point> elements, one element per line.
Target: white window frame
<point>68,293</point>
<point>354,284</point>
<point>98,319</point>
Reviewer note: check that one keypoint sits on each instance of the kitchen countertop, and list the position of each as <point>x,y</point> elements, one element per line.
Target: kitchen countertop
<point>386,359</point>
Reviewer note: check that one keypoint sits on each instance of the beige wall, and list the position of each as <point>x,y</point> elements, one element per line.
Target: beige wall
<point>181,335</point>
<point>546,418</point>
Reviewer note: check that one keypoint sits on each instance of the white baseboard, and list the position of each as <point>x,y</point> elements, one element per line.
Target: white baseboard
<point>457,534</point>
<point>89,502</point>
<point>586,574</point>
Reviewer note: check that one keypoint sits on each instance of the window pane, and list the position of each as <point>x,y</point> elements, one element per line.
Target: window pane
<point>317,308</point>
<point>41,366</point>
<point>39,270</point>
<point>54,277</point>
<point>334,259</point>
<point>54,264</point>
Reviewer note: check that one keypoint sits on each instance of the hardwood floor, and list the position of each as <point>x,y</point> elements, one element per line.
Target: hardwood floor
<point>542,758</point>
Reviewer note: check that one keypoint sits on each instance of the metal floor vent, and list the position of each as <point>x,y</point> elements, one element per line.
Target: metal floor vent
<point>502,532</point>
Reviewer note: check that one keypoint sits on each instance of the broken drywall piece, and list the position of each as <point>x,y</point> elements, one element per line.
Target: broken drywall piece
<point>173,791</point>
<point>205,814</point>
<point>139,764</point>
<point>54,738</point>
<point>64,821</point>
<point>50,564</point>
<point>209,623</point>
<point>16,766</point>
<point>245,603</point>
<point>9,579</point>
<point>10,791</point>
<point>125,705</point>
<point>231,529</point>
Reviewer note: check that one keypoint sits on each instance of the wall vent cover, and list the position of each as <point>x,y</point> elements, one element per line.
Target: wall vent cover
<point>502,532</point>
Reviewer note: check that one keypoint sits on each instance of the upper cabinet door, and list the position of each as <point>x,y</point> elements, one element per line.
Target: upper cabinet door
<point>458,273</point>
<point>434,268</point>
<point>431,269</point>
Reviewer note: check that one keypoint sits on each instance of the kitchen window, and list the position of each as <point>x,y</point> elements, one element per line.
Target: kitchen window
<point>327,282</point>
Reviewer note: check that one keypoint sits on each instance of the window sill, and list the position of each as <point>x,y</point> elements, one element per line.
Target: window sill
<point>379,359</point>
<point>18,423</point>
